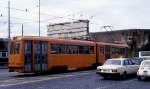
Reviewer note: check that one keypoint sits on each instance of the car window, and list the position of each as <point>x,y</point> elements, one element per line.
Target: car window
<point>130,62</point>
<point>113,62</point>
<point>126,62</point>
<point>137,61</point>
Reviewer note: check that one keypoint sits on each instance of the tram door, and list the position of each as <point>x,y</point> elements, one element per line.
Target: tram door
<point>40,56</point>
<point>28,56</point>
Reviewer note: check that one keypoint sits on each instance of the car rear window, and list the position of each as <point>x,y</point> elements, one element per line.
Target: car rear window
<point>112,62</point>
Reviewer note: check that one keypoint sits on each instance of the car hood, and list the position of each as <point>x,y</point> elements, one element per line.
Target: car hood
<point>144,68</point>
<point>109,67</point>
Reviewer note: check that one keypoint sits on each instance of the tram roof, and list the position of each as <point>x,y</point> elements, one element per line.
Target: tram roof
<point>112,44</point>
<point>55,40</point>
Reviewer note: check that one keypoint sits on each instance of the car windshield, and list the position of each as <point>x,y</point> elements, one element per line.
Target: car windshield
<point>112,62</point>
<point>146,63</point>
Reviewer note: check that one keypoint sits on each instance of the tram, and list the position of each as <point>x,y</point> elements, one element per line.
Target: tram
<point>30,54</point>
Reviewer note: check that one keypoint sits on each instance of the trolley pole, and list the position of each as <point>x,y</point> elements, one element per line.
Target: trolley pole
<point>39,18</point>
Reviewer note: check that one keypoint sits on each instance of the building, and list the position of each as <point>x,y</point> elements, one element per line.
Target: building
<point>67,30</point>
<point>3,51</point>
<point>137,39</point>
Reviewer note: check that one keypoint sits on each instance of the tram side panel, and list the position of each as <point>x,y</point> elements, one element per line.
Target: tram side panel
<point>71,57</point>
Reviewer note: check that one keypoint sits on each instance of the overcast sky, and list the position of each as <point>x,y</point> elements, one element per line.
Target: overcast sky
<point>121,14</point>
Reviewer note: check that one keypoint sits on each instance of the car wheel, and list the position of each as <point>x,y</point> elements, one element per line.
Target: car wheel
<point>124,75</point>
<point>140,78</point>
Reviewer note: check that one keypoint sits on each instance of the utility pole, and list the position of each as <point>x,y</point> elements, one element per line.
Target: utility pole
<point>22,30</point>
<point>39,18</point>
<point>9,39</point>
<point>9,19</point>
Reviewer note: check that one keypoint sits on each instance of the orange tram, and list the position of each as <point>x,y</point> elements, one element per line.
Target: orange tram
<point>42,54</point>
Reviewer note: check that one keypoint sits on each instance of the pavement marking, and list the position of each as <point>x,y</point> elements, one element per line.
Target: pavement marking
<point>8,73</point>
<point>114,84</point>
<point>44,79</point>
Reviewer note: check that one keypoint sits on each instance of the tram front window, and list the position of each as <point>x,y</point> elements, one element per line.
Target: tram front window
<point>17,47</point>
<point>14,47</point>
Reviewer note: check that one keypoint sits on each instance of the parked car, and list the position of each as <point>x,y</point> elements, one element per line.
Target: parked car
<point>117,67</point>
<point>137,60</point>
<point>144,70</point>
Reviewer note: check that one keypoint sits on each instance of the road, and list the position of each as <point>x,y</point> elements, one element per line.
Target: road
<point>72,80</point>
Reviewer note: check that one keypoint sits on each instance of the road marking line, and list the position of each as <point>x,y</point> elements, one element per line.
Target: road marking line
<point>33,81</point>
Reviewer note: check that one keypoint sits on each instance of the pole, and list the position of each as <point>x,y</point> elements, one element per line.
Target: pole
<point>39,17</point>
<point>22,30</point>
<point>9,19</point>
<point>9,40</point>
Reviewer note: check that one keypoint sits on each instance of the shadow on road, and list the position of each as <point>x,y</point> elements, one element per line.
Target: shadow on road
<point>119,78</point>
<point>50,73</point>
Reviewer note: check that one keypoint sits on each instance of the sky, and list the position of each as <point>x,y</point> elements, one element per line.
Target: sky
<point>120,14</point>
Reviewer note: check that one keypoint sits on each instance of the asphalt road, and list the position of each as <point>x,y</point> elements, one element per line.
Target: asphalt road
<point>72,80</point>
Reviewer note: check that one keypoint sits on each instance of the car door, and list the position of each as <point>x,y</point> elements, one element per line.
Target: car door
<point>126,66</point>
<point>135,66</point>
<point>132,67</point>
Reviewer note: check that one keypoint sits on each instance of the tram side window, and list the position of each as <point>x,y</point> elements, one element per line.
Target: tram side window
<point>91,49</point>
<point>86,50</point>
<point>62,49</point>
<point>75,49</point>
<point>69,49</point>
<point>81,49</point>
<point>54,49</point>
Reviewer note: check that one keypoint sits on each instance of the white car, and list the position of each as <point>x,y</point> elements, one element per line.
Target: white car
<point>117,67</point>
<point>144,70</point>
